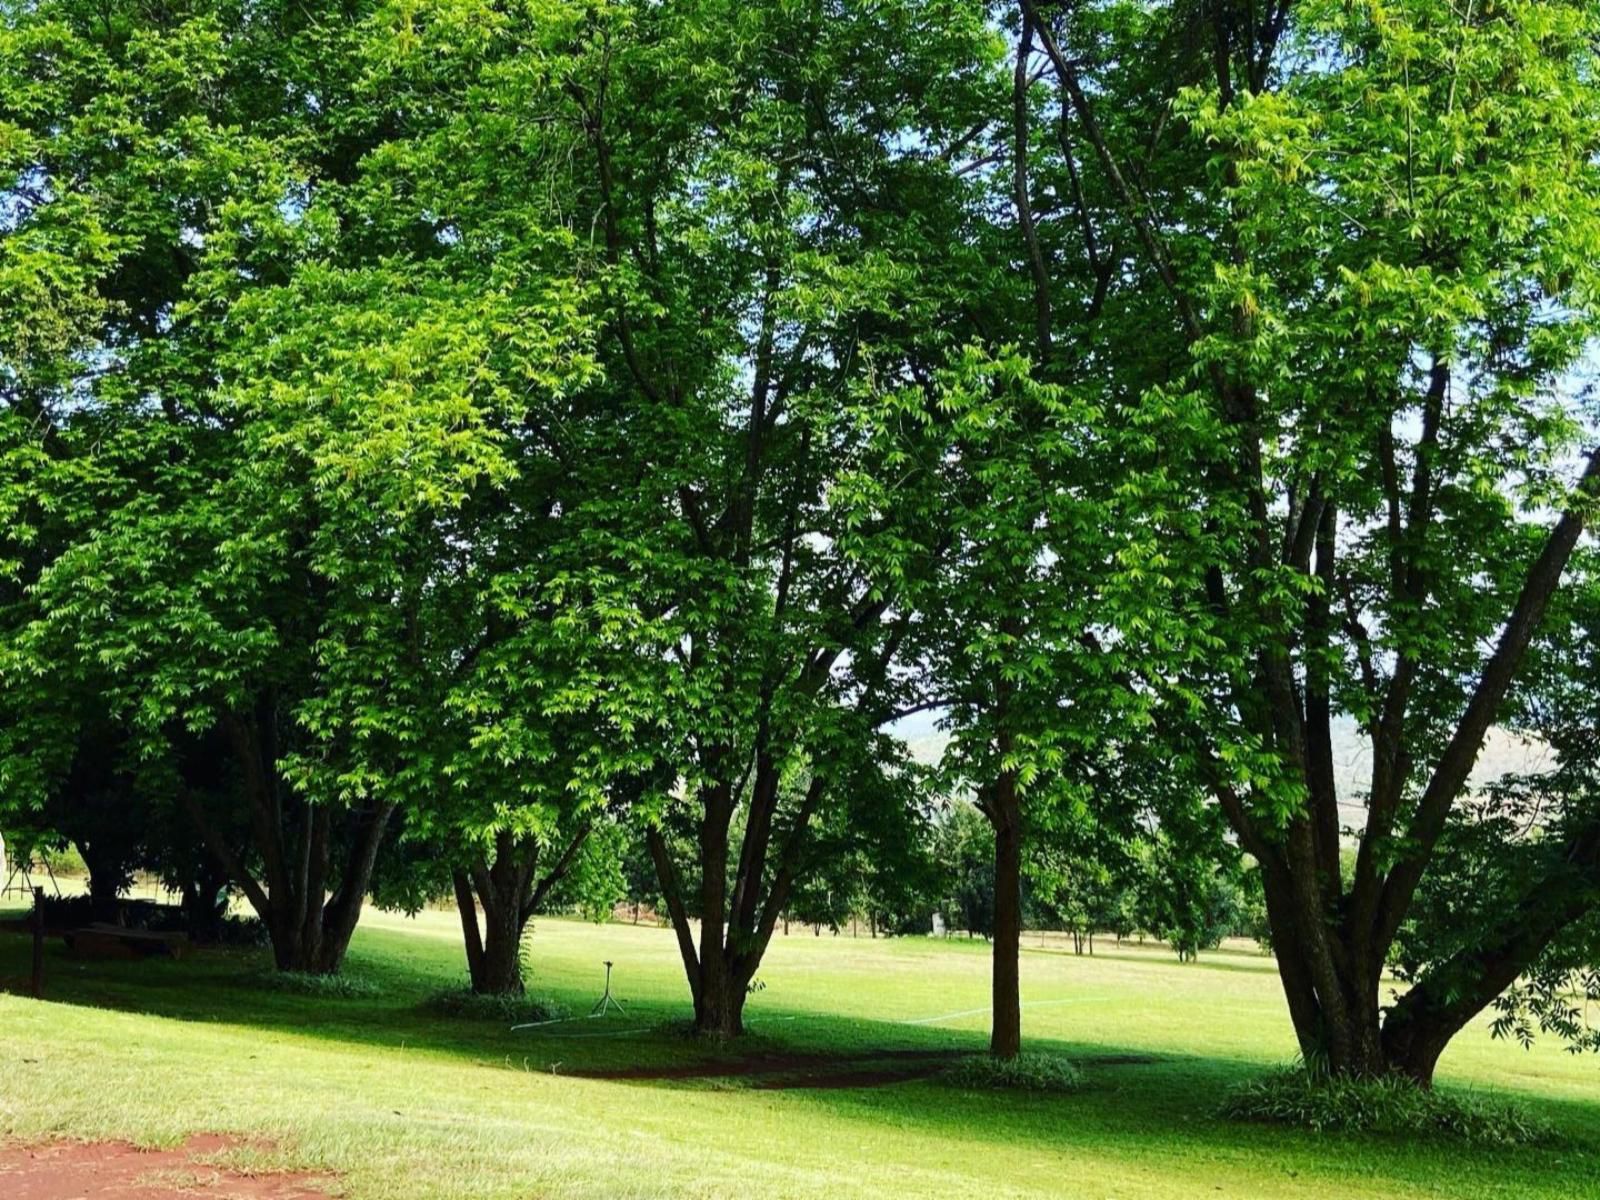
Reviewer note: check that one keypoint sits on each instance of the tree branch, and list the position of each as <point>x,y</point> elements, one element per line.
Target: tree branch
<point>1455,764</point>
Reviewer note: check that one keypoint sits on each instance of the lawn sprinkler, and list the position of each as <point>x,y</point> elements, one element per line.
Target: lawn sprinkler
<point>607,1001</point>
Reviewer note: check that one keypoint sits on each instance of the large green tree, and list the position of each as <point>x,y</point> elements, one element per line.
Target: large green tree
<point>776,189</point>
<point>178,589</point>
<point>1355,264</point>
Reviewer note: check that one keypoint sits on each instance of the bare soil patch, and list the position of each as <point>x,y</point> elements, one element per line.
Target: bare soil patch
<point>872,1068</point>
<point>783,1072</point>
<point>120,1171</point>
<point>1117,1060</point>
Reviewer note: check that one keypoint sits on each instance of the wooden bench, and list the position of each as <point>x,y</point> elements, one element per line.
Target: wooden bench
<point>113,941</point>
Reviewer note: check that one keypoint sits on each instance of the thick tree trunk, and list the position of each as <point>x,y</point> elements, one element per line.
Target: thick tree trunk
<point>736,925</point>
<point>719,1008</point>
<point>1334,1006</point>
<point>502,959</point>
<point>714,1011</point>
<point>310,930</point>
<point>1444,1001</point>
<point>1332,944</point>
<point>1413,1050</point>
<point>205,905</point>
<point>342,911</point>
<point>1005,814</point>
<point>108,874</point>
<point>105,896</point>
<point>494,958</point>
<point>509,892</point>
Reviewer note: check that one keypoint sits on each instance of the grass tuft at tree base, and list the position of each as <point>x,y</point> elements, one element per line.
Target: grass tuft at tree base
<point>1391,1106</point>
<point>1028,1072</point>
<point>466,1005</point>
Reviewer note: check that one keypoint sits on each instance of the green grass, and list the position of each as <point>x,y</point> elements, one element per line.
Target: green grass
<point>408,1106</point>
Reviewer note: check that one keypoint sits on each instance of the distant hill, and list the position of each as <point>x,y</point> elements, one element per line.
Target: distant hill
<point>1504,753</point>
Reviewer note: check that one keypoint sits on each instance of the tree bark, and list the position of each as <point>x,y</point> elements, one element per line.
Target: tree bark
<point>501,972</point>
<point>1004,812</point>
<point>472,936</point>
<point>309,929</point>
<point>719,1009</point>
<point>735,929</point>
<point>205,906</point>
<point>508,891</point>
<point>107,873</point>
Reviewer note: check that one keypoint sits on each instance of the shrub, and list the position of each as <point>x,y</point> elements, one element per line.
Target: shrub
<point>467,1005</point>
<point>1024,1073</point>
<point>242,931</point>
<point>1394,1105</point>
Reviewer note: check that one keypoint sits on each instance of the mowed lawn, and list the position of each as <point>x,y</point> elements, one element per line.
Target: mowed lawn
<point>406,1106</point>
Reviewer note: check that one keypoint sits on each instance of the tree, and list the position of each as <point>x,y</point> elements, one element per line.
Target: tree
<point>772,188</point>
<point>874,856</point>
<point>1032,629</point>
<point>184,595</point>
<point>965,851</point>
<point>1194,904</point>
<point>1362,246</point>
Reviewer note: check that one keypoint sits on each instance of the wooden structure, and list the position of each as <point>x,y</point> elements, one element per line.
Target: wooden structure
<point>113,941</point>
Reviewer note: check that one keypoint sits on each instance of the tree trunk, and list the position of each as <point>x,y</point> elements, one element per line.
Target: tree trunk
<point>1445,1000</point>
<point>205,906</point>
<point>502,959</point>
<point>1335,1012</point>
<point>309,929</point>
<point>1413,1051</point>
<point>108,874</point>
<point>105,896</point>
<point>737,924</point>
<point>1005,815</point>
<point>719,1008</point>
<point>472,936</point>
<point>289,951</point>
<point>504,893</point>
<point>509,892</point>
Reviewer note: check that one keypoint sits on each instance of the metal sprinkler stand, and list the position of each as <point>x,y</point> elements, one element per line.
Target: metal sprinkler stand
<point>607,1002</point>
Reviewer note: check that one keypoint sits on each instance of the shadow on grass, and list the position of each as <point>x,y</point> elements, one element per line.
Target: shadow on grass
<point>1130,1096</point>
<point>1211,960</point>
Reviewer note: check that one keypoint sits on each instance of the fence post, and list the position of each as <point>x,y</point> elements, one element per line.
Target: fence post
<point>38,943</point>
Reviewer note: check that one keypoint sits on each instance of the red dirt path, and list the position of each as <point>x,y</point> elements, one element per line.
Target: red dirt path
<point>118,1171</point>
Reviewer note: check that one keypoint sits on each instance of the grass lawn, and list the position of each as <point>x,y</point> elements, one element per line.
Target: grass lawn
<point>404,1106</point>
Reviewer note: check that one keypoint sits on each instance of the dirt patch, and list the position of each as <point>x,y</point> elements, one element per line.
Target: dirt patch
<point>783,1072</point>
<point>873,1068</point>
<point>862,1077</point>
<point>119,1171</point>
<point>1117,1060</point>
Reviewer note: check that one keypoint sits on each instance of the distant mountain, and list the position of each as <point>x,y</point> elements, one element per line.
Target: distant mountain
<point>1504,753</point>
<point>927,748</point>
